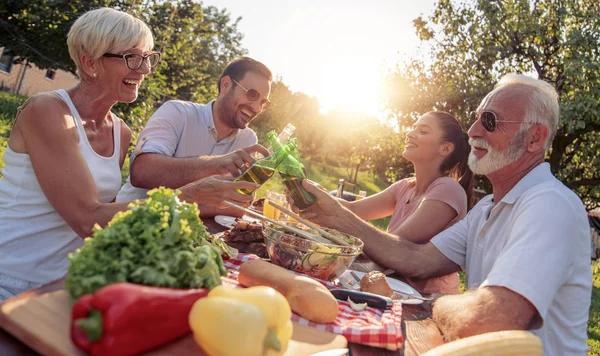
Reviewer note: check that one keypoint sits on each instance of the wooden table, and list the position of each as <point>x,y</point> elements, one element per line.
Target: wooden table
<point>419,331</point>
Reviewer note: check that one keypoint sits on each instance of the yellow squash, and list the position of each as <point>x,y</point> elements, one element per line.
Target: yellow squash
<point>496,343</point>
<point>250,321</point>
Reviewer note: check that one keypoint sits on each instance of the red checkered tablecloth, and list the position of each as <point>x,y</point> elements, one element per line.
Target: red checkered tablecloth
<point>372,327</point>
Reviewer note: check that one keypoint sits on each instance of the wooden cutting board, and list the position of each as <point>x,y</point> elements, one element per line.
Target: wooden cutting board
<point>42,321</point>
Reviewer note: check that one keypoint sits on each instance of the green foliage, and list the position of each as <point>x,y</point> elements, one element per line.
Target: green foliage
<point>463,281</point>
<point>474,43</point>
<point>349,139</point>
<point>8,108</point>
<point>24,23</point>
<point>160,242</point>
<point>342,139</point>
<point>296,108</point>
<point>327,175</point>
<point>594,321</point>
<point>196,41</point>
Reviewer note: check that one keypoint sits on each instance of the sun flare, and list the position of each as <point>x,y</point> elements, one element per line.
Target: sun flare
<point>350,86</point>
<point>341,71</point>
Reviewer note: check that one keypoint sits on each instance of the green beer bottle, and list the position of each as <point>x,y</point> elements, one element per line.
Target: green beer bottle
<point>263,169</point>
<point>292,174</point>
<point>283,137</point>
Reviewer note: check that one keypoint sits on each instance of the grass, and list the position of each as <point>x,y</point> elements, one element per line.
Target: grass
<point>594,321</point>
<point>8,108</point>
<point>328,177</point>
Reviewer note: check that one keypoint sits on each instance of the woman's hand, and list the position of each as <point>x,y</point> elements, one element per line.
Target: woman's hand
<point>327,211</point>
<point>215,190</point>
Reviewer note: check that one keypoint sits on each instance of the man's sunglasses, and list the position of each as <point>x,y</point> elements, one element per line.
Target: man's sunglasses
<point>135,61</point>
<point>489,120</point>
<point>254,95</point>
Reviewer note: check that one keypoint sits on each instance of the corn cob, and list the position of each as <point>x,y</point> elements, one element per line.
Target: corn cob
<point>498,343</point>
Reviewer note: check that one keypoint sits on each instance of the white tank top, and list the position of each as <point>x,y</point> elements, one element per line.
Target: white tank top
<point>34,239</point>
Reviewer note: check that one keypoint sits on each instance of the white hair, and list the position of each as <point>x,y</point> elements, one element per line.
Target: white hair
<point>106,30</point>
<point>543,105</point>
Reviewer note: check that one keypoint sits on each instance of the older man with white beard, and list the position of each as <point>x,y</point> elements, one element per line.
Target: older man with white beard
<point>525,248</point>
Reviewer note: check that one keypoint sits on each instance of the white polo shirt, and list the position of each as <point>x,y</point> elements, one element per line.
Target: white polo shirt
<point>183,129</point>
<point>535,242</point>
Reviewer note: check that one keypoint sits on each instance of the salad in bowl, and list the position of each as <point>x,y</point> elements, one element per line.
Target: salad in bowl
<point>317,259</point>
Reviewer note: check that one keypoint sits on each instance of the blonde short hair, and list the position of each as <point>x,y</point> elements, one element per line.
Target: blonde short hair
<point>543,102</point>
<point>106,30</point>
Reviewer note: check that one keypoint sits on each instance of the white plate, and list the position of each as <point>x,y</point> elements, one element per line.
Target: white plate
<point>395,284</point>
<point>229,221</point>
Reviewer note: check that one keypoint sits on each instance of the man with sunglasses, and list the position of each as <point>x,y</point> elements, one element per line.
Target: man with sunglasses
<point>185,142</point>
<point>525,248</point>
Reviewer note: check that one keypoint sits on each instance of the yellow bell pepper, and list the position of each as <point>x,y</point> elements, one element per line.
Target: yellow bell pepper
<point>250,321</point>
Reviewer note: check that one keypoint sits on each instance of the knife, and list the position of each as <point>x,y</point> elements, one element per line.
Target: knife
<point>372,300</point>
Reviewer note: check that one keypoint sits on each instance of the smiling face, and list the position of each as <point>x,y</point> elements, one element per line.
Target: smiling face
<point>424,142</point>
<point>237,111</point>
<point>492,151</point>
<point>120,82</point>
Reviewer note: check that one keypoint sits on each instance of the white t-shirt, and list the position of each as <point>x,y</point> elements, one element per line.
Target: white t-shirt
<point>535,242</point>
<point>183,129</point>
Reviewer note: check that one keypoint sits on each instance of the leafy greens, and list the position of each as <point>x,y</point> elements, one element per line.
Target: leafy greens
<point>160,241</point>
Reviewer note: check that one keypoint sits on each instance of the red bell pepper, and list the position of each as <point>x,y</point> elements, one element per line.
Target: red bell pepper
<point>126,319</point>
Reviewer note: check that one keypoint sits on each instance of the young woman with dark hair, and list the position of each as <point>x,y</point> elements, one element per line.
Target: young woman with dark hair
<point>437,196</point>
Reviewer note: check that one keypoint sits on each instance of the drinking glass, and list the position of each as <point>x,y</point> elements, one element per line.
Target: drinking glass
<point>361,195</point>
<point>268,210</point>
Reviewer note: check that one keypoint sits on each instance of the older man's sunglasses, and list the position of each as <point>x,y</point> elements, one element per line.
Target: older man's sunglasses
<point>254,95</point>
<point>490,121</point>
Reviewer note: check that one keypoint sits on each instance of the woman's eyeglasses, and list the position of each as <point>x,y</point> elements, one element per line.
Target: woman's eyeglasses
<point>254,95</point>
<point>489,120</point>
<point>135,61</point>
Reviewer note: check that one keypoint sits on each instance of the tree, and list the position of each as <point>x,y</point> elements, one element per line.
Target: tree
<point>274,118</point>
<point>298,109</point>
<point>474,43</point>
<point>383,155</point>
<point>196,42</point>
<point>340,138</point>
<point>37,30</point>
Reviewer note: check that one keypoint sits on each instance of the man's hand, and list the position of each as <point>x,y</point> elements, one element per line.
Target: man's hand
<point>237,161</point>
<point>400,254</point>
<point>214,191</point>
<point>327,211</point>
<point>483,310</point>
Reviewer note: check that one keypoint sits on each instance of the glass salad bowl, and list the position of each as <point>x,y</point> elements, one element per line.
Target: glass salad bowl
<point>325,261</point>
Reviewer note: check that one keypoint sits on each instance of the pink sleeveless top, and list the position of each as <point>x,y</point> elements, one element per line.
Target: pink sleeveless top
<point>443,189</point>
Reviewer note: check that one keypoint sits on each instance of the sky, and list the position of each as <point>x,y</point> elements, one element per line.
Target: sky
<point>334,50</point>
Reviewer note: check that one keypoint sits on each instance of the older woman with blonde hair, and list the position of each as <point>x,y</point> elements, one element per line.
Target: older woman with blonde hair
<point>66,149</point>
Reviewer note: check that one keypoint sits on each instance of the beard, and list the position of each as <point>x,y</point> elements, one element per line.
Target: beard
<point>230,114</point>
<point>496,160</point>
<point>227,112</point>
